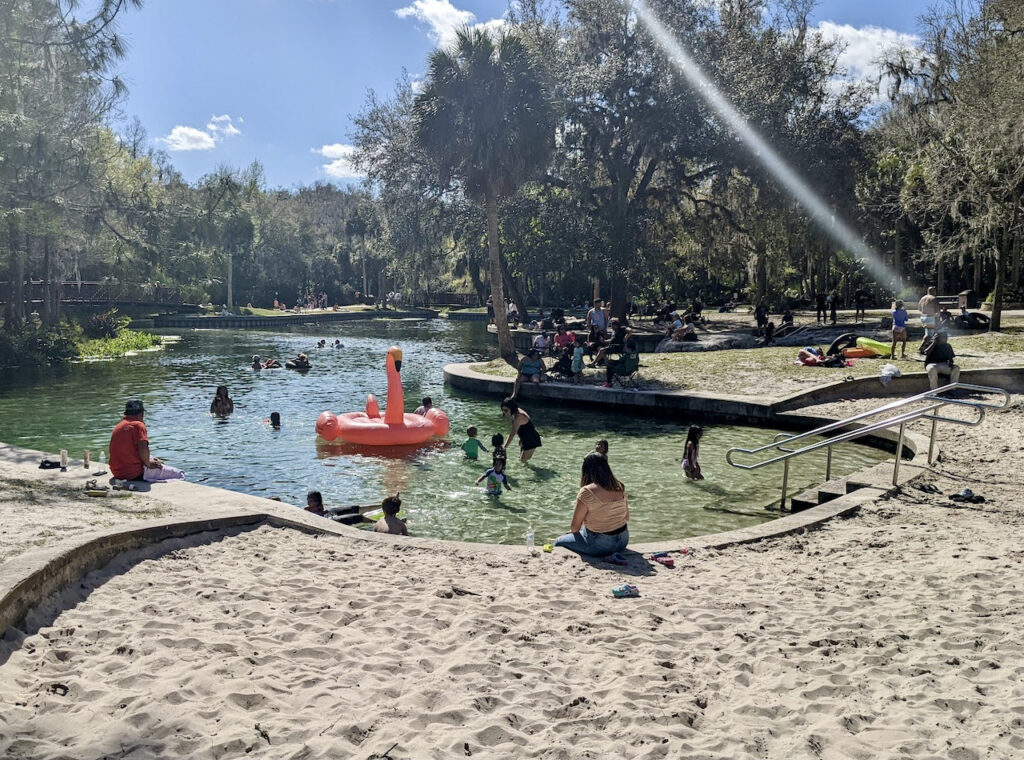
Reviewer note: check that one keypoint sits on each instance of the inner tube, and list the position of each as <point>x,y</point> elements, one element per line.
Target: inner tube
<point>301,367</point>
<point>976,321</point>
<point>856,352</point>
<point>882,349</point>
<point>846,340</point>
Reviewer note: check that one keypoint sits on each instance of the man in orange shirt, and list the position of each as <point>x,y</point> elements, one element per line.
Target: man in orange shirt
<point>129,450</point>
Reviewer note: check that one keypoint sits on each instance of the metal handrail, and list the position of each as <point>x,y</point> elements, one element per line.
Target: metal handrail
<point>782,440</point>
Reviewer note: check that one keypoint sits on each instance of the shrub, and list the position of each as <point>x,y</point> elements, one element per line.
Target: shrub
<point>32,345</point>
<point>107,324</point>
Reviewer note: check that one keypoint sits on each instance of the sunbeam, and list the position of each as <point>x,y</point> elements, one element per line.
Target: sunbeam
<point>759,148</point>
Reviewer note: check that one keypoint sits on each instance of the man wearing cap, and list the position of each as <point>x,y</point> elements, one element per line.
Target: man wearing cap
<point>129,449</point>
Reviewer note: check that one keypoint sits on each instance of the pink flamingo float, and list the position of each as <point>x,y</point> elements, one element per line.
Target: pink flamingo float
<point>395,428</point>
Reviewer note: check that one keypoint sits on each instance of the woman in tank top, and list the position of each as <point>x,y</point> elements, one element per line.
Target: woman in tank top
<point>522,425</point>
<point>600,521</point>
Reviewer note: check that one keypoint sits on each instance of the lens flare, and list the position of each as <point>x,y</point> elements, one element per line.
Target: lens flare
<point>759,148</point>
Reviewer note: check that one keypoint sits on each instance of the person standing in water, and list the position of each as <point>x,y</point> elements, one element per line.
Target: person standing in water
<point>691,465</point>
<point>222,404</point>
<point>522,425</point>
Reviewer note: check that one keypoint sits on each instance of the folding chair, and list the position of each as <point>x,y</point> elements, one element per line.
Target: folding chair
<point>626,371</point>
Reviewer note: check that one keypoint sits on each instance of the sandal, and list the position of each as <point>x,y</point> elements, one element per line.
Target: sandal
<point>625,591</point>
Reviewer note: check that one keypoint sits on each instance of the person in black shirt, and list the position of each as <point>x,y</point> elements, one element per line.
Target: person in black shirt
<point>939,361</point>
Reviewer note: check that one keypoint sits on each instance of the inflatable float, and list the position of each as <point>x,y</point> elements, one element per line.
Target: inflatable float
<point>880,349</point>
<point>395,428</point>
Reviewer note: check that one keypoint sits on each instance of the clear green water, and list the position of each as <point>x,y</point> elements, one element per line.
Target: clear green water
<point>76,410</point>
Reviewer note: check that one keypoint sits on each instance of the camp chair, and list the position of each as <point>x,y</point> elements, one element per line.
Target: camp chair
<point>626,371</point>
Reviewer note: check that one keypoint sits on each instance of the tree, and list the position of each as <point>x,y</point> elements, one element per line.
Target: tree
<point>964,105</point>
<point>486,119</point>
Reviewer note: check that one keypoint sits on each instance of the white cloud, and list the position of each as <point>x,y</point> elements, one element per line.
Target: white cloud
<point>187,138</point>
<point>864,49</point>
<point>444,19</point>
<point>190,138</point>
<point>340,161</point>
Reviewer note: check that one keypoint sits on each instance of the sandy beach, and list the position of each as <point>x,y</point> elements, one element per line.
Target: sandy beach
<point>892,634</point>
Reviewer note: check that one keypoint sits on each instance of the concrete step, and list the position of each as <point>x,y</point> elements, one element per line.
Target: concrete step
<point>804,500</point>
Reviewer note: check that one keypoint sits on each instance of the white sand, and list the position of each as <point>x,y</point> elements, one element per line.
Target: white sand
<point>893,634</point>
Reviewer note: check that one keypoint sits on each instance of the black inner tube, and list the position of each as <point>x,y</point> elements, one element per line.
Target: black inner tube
<point>846,340</point>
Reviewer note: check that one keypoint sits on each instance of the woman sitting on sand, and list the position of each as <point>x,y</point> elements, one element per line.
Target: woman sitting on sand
<point>222,404</point>
<point>600,521</point>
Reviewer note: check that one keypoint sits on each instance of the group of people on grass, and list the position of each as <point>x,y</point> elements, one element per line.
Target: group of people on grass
<point>938,354</point>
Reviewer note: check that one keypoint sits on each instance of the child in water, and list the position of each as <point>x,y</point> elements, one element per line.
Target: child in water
<point>496,478</point>
<point>601,447</point>
<point>498,450</point>
<point>391,522</point>
<point>315,503</point>
<point>472,446</point>
<point>690,464</point>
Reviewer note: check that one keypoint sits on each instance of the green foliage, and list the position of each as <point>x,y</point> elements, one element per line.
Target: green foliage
<point>32,345</point>
<point>112,347</point>
<point>107,324</point>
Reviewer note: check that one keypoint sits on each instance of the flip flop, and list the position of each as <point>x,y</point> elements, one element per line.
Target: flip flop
<point>666,561</point>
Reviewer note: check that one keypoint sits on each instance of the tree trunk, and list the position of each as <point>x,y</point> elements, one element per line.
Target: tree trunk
<point>362,256</point>
<point>513,291</point>
<point>597,290</point>
<point>940,276</point>
<point>473,267</point>
<point>760,272</point>
<point>897,257</point>
<point>506,347</point>
<point>48,320</point>
<point>15,312</point>
<point>230,283</point>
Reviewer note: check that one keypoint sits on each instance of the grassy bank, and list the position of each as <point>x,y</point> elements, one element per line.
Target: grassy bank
<point>759,372</point>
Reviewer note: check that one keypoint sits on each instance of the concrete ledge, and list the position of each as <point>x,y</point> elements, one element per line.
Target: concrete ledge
<point>29,578</point>
<point>1010,378</point>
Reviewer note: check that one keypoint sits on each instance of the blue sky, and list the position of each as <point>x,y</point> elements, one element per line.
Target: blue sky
<point>219,82</point>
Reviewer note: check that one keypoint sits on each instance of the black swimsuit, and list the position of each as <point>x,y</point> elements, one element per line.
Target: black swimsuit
<point>529,438</point>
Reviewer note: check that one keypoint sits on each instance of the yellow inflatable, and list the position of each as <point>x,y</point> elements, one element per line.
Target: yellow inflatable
<point>880,349</point>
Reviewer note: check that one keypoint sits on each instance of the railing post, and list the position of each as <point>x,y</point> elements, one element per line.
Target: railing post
<point>899,455</point>
<point>828,464</point>
<point>931,443</point>
<point>785,484</point>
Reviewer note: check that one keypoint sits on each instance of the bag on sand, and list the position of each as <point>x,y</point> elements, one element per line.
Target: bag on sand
<point>889,373</point>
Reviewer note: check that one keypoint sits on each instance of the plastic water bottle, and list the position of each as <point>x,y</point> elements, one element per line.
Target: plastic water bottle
<point>530,535</point>
<point>103,459</point>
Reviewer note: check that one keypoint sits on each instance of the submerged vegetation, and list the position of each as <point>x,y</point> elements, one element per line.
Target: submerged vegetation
<point>126,341</point>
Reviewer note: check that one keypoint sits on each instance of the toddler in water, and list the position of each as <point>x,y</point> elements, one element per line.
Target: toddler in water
<point>690,464</point>
<point>390,522</point>
<point>496,478</point>
<point>498,450</point>
<point>472,446</point>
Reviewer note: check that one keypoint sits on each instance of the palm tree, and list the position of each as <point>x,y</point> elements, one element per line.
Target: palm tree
<point>485,118</point>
